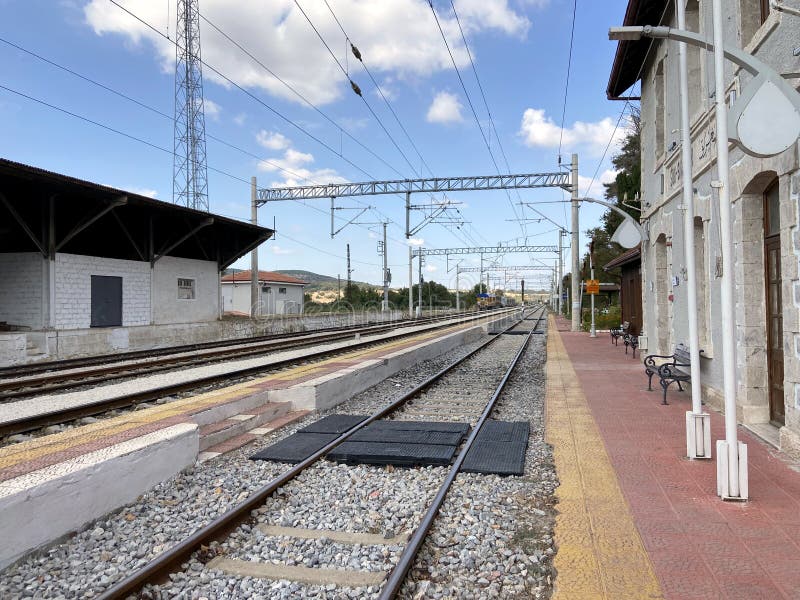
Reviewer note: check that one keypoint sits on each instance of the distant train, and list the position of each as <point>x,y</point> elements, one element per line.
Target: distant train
<point>490,301</point>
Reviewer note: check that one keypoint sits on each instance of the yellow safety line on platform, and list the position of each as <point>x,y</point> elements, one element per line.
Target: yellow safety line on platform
<point>600,553</point>
<point>36,448</point>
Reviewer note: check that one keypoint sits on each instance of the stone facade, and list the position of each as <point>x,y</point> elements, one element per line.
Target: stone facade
<point>663,264</point>
<point>21,295</point>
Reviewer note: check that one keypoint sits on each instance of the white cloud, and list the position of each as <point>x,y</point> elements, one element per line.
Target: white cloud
<point>445,108</point>
<point>597,190</point>
<point>150,193</point>
<point>415,241</point>
<point>275,249</point>
<point>293,166</point>
<point>539,130</point>
<point>494,14</point>
<point>431,268</point>
<point>211,109</point>
<point>240,119</point>
<point>398,38</point>
<point>272,140</point>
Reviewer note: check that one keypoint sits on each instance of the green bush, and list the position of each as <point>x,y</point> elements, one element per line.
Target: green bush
<point>604,318</point>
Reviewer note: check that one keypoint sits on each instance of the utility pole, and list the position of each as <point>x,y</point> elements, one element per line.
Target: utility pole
<point>480,278</point>
<point>523,293</point>
<point>349,289</point>
<point>560,274</point>
<point>386,276</point>
<point>410,257</point>
<point>730,453</point>
<point>576,304</point>
<point>698,423</point>
<point>419,287</point>
<point>189,170</point>
<point>592,331</point>
<point>458,291</point>
<point>254,299</point>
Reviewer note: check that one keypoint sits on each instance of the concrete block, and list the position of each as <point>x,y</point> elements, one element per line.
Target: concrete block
<point>74,493</point>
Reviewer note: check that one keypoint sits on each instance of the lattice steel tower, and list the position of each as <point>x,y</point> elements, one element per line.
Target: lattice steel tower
<point>190,174</point>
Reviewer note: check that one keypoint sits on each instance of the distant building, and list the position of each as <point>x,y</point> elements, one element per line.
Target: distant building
<point>278,294</point>
<point>764,195</point>
<point>89,269</point>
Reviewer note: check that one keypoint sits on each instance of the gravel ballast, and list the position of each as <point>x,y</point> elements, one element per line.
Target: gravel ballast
<point>492,538</point>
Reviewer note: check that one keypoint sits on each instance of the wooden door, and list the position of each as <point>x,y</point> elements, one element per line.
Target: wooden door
<point>772,267</point>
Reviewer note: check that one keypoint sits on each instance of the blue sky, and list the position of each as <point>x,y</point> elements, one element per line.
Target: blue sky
<point>520,48</point>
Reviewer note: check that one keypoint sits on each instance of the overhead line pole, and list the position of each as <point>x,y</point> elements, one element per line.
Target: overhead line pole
<point>576,304</point>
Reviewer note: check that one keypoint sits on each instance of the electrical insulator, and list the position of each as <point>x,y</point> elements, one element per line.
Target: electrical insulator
<point>356,53</point>
<point>355,87</point>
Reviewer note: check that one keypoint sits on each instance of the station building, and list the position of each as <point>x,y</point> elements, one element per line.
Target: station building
<point>764,194</point>
<point>88,269</point>
<point>278,294</point>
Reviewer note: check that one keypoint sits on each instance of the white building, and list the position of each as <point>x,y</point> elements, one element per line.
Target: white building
<point>764,193</point>
<point>87,269</point>
<point>278,294</point>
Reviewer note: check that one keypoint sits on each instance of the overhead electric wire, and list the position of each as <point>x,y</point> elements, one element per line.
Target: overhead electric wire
<point>472,107</point>
<point>111,129</point>
<point>357,90</point>
<point>251,95</point>
<point>257,99</point>
<point>298,94</point>
<point>355,87</point>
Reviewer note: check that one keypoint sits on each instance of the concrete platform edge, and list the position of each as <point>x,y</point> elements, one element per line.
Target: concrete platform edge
<point>69,495</point>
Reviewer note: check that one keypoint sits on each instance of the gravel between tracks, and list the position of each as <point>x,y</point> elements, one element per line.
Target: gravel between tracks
<point>493,536</point>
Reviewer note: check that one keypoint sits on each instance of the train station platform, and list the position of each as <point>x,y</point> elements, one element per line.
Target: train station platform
<point>637,519</point>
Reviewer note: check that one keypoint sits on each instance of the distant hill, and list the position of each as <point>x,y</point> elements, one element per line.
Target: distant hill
<point>317,282</point>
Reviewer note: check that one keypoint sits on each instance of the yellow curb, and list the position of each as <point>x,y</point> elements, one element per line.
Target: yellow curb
<point>600,553</point>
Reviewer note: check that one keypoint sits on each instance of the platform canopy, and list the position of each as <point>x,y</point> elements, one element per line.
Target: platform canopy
<point>45,212</point>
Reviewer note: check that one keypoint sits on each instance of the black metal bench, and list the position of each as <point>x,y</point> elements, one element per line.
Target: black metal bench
<point>671,368</point>
<point>618,332</point>
<point>631,341</point>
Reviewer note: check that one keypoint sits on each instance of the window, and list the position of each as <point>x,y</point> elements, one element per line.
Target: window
<point>267,289</point>
<point>185,289</point>
<point>281,290</point>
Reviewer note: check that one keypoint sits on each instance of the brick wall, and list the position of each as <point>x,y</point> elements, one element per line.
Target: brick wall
<point>74,284</point>
<point>21,288</point>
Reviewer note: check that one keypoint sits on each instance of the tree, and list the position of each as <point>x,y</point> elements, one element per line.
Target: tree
<point>627,185</point>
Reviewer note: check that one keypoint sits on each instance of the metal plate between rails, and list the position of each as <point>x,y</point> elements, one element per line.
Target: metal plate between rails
<point>504,431</point>
<point>369,434</point>
<point>333,424</point>
<point>295,448</point>
<point>498,458</point>
<point>420,426</point>
<point>400,454</point>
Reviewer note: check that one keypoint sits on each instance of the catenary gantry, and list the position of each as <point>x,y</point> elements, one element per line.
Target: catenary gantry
<point>411,186</point>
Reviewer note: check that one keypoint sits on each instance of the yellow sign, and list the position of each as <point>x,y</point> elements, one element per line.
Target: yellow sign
<point>592,286</point>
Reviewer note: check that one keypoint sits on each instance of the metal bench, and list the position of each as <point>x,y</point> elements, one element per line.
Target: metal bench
<point>671,368</point>
<point>618,332</point>
<point>631,341</point>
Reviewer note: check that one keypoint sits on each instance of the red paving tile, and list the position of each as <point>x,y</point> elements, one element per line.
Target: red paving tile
<point>701,547</point>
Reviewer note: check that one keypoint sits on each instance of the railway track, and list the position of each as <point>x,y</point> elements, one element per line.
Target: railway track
<point>70,412</point>
<point>37,378</point>
<point>205,544</point>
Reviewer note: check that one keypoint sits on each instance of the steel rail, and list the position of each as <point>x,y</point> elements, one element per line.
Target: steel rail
<point>70,363</point>
<point>58,380</point>
<point>62,415</point>
<point>398,574</point>
<point>160,567</point>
